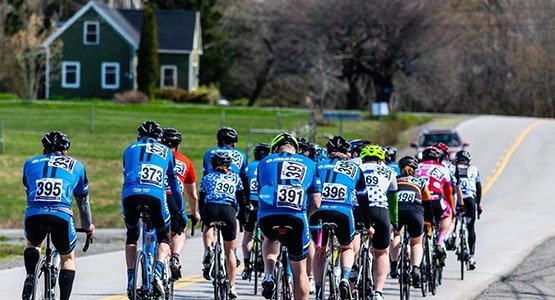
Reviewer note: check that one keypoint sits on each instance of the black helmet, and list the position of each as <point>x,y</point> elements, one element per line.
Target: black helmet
<point>171,137</point>
<point>282,139</point>
<point>220,159</point>
<point>150,129</point>
<point>463,157</point>
<point>226,136</point>
<point>55,141</point>
<point>338,144</point>
<point>261,150</point>
<point>408,161</point>
<point>431,153</point>
<point>390,154</point>
<point>306,146</point>
<point>357,145</point>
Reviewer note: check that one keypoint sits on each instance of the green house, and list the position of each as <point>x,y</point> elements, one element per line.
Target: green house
<point>99,56</point>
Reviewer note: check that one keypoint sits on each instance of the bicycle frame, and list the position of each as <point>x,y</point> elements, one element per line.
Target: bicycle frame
<point>282,269</point>
<point>220,280</point>
<point>331,264</point>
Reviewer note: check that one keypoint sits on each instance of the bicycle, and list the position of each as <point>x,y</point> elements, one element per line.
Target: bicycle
<point>330,280</point>
<point>404,265</point>
<point>144,263</point>
<point>46,271</point>
<point>364,285</point>
<point>256,262</point>
<point>220,280</point>
<point>281,274</point>
<point>462,251</point>
<point>427,266</point>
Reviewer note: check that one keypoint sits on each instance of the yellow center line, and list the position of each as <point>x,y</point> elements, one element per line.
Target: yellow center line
<point>181,283</point>
<point>500,167</point>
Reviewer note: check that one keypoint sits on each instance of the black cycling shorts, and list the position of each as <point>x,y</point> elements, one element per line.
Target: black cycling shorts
<point>62,231</point>
<point>212,212</point>
<point>470,209</point>
<point>345,231</point>
<point>297,239</point>
<point>131,216</point>
<point>251,222</point>
<point>438,211</point>
<point>412,216</point>
<point>379,217</point>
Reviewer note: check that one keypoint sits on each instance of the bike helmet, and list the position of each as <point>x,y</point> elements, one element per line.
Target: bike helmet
<point>320,154</point>
<point>357,145</point>
<point>390,154</point>
<point>306,146</point>
<point>55,141</point>
<point>443,148</point>
<point>372,152</point>
<point>431,153</point>
<point>338,144</point>
<point>226,136</point>
<point>463,157</point>
<point>171,137</point>
<point>150,129</point>
<point>220,159</point>
<point>261,150</point>
<point>283,139</point>
<point>407,165</point>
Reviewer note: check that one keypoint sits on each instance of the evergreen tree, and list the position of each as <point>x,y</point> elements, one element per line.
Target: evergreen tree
<point>148,66</point>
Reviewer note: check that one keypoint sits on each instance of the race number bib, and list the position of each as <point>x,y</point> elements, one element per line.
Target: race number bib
<point>406,196</point>
<point>157,149</point>
<point>292,170</point>
<point>225,186</point>
<point>346,168</point>
<point>62,162</point>
<point>236,158</point>
<point>49,189</point>
<point>180,167</point>
<point>152,175</point>
<point>253,186</point>
<point>334,192</point>
<point>464,184</point>
<point>371,180</point>
<point>290,197</point>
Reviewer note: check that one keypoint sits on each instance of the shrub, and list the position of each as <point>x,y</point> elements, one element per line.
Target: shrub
<point>202,95</point>
<point>175,95</point>
<point>8,96</point>
<point>132,97</point>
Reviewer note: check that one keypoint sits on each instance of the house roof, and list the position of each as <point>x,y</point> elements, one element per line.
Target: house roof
<point>176,29</point>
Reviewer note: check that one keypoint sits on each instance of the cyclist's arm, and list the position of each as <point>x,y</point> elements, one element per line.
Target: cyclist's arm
<point>478,193</point>
<point>315,199</point>
<point>81,194</point>
<point>192,198</point>
<point>448,194</point>
<point>364,205</point>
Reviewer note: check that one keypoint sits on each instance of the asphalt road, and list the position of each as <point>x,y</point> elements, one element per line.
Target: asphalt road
<point>514,156</point>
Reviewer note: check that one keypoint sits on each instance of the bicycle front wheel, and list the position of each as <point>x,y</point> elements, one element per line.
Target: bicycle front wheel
<point>462,253</point>
<point>141,277</point>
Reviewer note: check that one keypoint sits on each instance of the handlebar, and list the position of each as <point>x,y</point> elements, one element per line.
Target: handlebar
<point>89,239</point>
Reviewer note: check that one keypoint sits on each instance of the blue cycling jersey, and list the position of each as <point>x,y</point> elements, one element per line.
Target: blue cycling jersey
<point>252,171</point>
<point>146,163</point>
<point>238,163</point>
<point>51,181</point>
<point>339,181</point>
<point>285,181</point>
<point>220,188</point>
<point>395,167</point>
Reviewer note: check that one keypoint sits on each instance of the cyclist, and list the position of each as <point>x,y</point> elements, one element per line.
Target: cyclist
<point>260,151</point>
<point>378,205</point>
<point>50,181</point>
<point>289,189</point>
<point>227,138</point>
<point>411,192</point>
<point>391,159</point>
<point>441,194</point>
<point>147,164</point>
<point>306,148</point>
<point>446,161</point>
<point>468,178</point>
<point>340,178</point>
<point>319,153</point>
<point>221,195</point>
<point>187,181</point>
<point>356,147</point>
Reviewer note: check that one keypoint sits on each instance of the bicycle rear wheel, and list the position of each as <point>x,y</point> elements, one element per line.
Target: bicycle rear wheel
<point>430,274</point>
<point>39,284</point>
<point>463,252</point>
<point>278,278</point>
<point>140,289</point>
<point>330,290</point>
<point>424,267</point>
<point>404,274</point>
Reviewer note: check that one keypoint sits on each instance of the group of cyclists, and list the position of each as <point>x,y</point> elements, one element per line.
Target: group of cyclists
<point>291,183</point>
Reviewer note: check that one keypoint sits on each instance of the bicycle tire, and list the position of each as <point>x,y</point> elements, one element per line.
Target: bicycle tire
<point>141,276</point>
<point>432,266</point>
<point>39,287</point>
<point>278,277</point>
<point>424,266</point>
<point>362,287</point>
<point>216,273</point>
<point>254,262</point>
<point>168,282</point>
<point>404,274</point>
<point>462,252</point>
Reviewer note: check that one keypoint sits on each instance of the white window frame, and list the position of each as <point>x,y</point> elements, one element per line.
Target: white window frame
<point>106,65</point>
<point>168,67</point>
<point>77,83</point>
<point>97,33</point>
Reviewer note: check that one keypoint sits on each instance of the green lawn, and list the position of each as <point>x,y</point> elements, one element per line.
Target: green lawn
<point>100,130</point>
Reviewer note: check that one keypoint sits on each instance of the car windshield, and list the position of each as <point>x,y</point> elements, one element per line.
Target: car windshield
<point>449,139</point>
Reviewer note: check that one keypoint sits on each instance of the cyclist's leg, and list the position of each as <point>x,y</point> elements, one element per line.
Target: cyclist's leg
<point>470,215</point>
<point>63,238</point>
<point>31,254</point>
<point>247,242</point>
<point>270,245</point>
<point>227,214</point>
<point>298,241</point>
<point>380,242</point>
<point>394,247</point>
<point>445,223</point>
<point>177,243</point>
<point>131,220</point>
